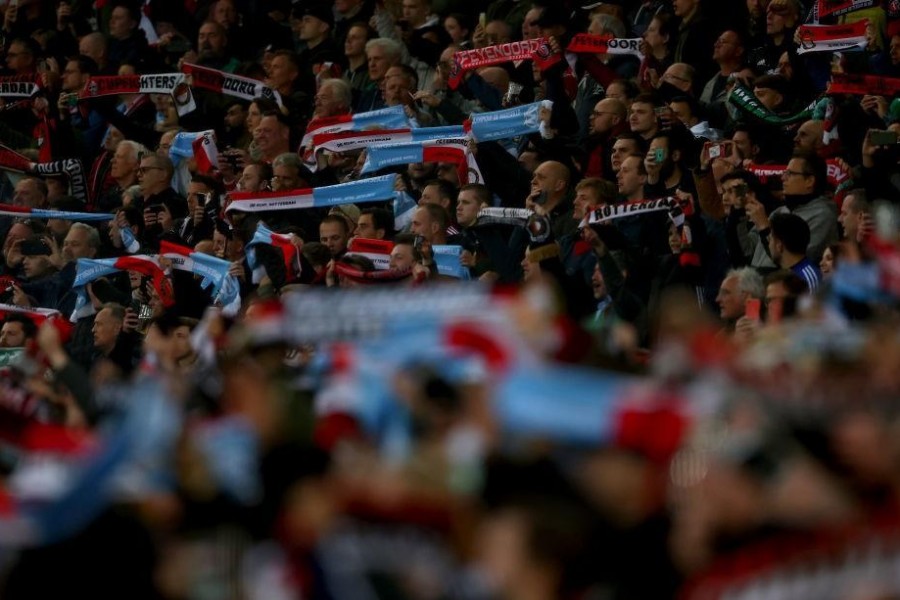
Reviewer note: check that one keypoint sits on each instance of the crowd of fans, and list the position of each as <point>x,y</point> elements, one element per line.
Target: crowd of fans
<point>644,349</point>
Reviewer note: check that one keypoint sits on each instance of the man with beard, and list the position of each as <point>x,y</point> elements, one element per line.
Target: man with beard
<point>212,45</point>
<point>665,172</point>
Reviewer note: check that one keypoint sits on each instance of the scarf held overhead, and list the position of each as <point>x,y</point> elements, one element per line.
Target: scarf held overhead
<point>586,43</point>
<point>452,150</point>
<point>229,84</point>
<point>71,167</point>
<point>832,38</point>
<point>173,84</point>
<point>355,192</point>
<point>537,50</point>
<point>15,86</point>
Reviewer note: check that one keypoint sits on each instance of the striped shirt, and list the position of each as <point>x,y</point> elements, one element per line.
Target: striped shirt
<point>810,274</point>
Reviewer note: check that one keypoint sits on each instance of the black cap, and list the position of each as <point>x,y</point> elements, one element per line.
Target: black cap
<point>35,247</point>
<point>552,16</point>
<point>322,12</point>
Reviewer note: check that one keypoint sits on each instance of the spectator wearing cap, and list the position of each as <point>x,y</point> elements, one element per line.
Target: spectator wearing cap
<point>804,182</point>
<point>357,72</point>
<point>788,239</point>
<point>350,213</point>
<point>729,53</point>
<point>38,270</point>
<point>55,291</point>
<point>782,18</point>
<point>696,34</point>
<point>315,28</point>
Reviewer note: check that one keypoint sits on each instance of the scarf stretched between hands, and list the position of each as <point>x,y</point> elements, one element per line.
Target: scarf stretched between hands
<point>229,84</point>
<point>88,270</point>
<point>71,167</point>
<point>447,150</point>
<point>747,103</point>
<point>173,84</point>
<point>212,270</point>
<point>537,50</point>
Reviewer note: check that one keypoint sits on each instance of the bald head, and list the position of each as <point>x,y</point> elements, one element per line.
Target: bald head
<point>607,114</point>
<point>680,75</point>
<point>496,77</point>
<point>94,46</point>
<point>552,179</point>
<point>809,137</point>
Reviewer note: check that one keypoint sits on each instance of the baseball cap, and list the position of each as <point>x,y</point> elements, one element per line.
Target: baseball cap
<point>350,213</point>
<point>322,12</point>
<point>35,247</point>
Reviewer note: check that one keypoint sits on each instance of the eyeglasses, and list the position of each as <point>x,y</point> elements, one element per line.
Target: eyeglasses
<point>789,173</point>
<point>142,170</point>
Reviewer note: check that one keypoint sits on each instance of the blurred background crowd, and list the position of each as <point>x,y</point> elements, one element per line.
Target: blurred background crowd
<point>363,299</point>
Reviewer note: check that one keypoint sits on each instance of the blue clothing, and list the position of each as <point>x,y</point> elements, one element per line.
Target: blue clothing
<point>809,272</point>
